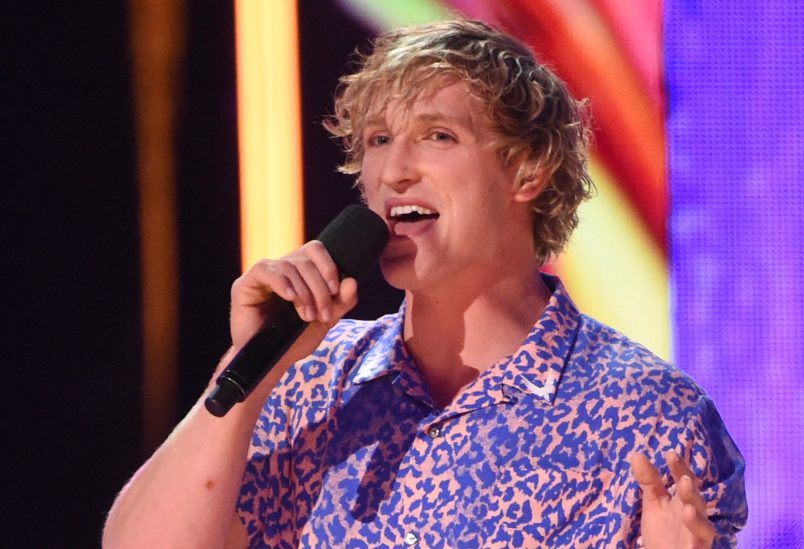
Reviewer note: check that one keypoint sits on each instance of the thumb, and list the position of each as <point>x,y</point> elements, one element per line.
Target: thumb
<point>346,298</point>
<point>649,479</point>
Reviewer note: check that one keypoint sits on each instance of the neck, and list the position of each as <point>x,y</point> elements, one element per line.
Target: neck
<point>454,336</point>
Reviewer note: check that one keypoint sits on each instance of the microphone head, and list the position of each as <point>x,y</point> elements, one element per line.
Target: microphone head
<point>355,239</point>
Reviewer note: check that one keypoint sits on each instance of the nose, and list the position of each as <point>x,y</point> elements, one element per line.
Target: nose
<point>399,167</point>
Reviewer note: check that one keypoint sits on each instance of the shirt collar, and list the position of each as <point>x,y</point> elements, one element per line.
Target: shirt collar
<point>534,368</point>
<point>537,366</point>
<point>388,353</point>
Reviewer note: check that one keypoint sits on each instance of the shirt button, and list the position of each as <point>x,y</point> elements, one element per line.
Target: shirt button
<point>434,431</point>
<point>411,538</point>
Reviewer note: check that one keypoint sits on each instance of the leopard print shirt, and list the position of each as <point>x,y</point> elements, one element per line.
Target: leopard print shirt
<point>350,450</point>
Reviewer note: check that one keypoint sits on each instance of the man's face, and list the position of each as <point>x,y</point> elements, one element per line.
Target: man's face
<point>432,171</point>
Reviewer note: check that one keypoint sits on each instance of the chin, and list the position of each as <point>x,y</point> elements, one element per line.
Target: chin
<point>405,272</point>
<point>396,274</point>
<point>404,275</point>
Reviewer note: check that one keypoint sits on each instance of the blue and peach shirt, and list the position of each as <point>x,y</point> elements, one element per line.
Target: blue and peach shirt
<point>350,451</point>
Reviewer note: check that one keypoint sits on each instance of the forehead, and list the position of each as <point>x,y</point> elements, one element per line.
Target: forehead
<point>447,102</point>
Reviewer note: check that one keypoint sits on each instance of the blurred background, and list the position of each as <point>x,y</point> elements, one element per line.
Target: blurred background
<point>150,149</point>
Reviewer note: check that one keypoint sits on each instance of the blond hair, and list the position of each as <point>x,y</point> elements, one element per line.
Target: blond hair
<point>532,113</point>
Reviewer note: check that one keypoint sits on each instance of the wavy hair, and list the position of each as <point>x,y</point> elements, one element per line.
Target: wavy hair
<point>533,114</point>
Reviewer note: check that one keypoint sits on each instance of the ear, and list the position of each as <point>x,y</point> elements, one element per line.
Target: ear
<point>529,188</point>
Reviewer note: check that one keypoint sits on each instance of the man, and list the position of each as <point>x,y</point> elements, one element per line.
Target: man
<point>488,411</point>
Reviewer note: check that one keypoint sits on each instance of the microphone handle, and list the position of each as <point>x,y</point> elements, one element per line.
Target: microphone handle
<point>257,357</point>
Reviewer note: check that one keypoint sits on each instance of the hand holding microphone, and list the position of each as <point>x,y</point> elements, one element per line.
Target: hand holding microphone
<point>274,301</point>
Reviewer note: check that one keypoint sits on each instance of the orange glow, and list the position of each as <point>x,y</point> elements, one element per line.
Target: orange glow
<point>157,45</point>
<point>269,113</point>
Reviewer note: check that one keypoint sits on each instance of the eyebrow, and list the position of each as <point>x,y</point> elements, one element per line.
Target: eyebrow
<point>426,117</point>
<point>464,121</point>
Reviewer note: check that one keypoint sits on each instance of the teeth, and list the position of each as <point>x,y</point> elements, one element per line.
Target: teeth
<point>396,211</point>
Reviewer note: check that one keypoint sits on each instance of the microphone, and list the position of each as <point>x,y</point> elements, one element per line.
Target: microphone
<point>355,239</point>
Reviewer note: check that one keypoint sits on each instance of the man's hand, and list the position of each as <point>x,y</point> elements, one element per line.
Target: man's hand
<point>308,277</point>
<point>676,521</point>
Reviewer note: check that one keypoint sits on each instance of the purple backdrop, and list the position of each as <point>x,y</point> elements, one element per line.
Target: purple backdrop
<point>735,75</point>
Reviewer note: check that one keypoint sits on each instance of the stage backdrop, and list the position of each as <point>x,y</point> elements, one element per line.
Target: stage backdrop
<point>735,75</point>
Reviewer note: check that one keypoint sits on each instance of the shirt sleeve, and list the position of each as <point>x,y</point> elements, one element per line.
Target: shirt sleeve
<point>272,502</point>
<point>261,504</point>
<point>696,431</point>
<point>716,461</point>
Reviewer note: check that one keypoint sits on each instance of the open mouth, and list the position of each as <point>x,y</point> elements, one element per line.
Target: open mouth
<point>411,213</point>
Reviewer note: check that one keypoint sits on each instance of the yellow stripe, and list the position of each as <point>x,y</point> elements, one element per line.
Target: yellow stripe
<point>615,272</point>
<point>269,113</point>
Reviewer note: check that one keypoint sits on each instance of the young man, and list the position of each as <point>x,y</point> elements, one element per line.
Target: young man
<point>487,412</point>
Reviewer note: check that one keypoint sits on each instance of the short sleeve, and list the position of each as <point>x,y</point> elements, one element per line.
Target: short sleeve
<point>716,461</point>
<point>698,434</point>
<point>260,504</point>
<point>290,437</point>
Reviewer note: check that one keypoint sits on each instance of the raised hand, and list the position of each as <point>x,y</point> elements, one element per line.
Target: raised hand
<point>671,521</point>
<point>308,277</point>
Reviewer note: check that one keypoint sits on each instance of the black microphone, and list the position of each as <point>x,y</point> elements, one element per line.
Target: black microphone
<point>355,239</point>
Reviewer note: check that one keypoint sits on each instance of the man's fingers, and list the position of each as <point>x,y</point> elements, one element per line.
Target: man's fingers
<point>260,281</point>
<point>687,498</point>
<point>649,479</point>
<point>307,277</point>
<point>699,526</point>
<point>678,467</point>
<point>689,494</point>
<point>694,506</point>
<point>686,485</point>
<point>346,298</point>
<point>303,297</point>
<point>319,255</point>
<point>320,305</point>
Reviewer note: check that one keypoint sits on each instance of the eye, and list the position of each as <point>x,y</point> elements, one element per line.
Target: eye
<point>377,140</point>
<point>440,136</point>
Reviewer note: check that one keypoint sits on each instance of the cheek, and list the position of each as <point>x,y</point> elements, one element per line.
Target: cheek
<point>371,197</point>
<point>368,179</point>
<point>367,189</point>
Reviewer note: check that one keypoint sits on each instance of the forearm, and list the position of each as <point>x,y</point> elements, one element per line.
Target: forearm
<point>185,494</point>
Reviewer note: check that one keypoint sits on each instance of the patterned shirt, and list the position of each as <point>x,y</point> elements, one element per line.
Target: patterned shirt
<point>350,450</point>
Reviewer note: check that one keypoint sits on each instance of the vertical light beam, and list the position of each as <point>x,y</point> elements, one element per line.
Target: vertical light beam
<point>157,45</point>
<point>269,113</point>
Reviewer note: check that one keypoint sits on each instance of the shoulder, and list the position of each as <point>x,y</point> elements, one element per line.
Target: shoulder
<point>338,354</point>
<point>349,339</point>
<point>603,354</point>
<point>633,399</point>
<point>306,390</point>
<point>628,381</point>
